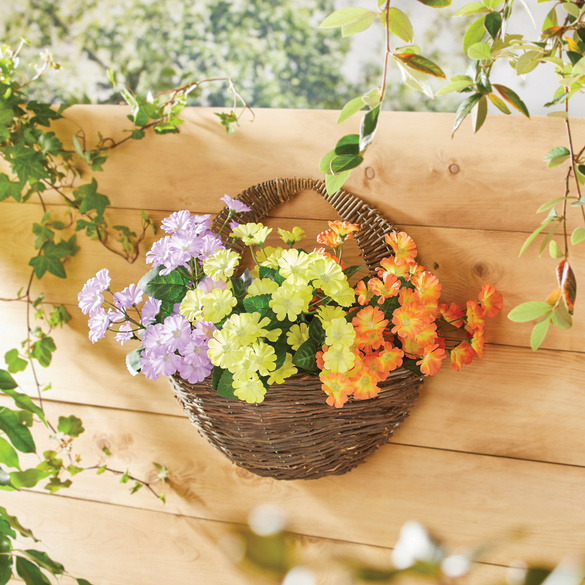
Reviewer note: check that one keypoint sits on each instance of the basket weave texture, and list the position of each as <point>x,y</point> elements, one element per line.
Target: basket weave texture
<point>294,434</point>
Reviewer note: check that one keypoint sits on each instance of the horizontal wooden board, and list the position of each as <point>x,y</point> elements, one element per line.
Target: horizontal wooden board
<point>467,498</point>
<point>128,545</point>
<point>501,177</point>
<point>462,259</point>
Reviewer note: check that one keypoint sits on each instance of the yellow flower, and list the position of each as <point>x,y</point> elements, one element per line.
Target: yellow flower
<point>191,305</point>
<point>221,264</point>
<point>251,390</point>
<point>326,274</point>
<point>218,304</point>
<point>269,256</point>
<point>289,301</point>
<point>327,313</point>
<point>344,297</point>
<point>297,334</point>
<point>251,233</point>
<point>339,331</point>
<point>338,358</point>
<point>225,349</point>
<point>247,327</point>
<point>285,371</point>
<point>293,266</point>
<point>262,358</point>
<point>262,286</point>
<point>292,237</point>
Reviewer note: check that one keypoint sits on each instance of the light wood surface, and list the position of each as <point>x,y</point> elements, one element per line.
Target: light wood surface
<point>486,452</point>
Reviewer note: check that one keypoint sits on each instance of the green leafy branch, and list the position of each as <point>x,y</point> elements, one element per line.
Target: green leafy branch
<point>349,151</point>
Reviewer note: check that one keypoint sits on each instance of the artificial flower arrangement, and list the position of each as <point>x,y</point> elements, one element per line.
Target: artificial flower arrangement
<point>294,312</point>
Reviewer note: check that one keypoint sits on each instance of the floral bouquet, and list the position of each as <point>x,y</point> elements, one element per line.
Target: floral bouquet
<point>198,315</point>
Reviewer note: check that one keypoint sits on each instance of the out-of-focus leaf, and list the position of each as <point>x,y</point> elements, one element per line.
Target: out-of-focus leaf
<point>499,103</point>
<point>420,63</point>
<point>512,98</point>
<point>568,284</point>
<point>479,52</point>
<point>539,333</point>
<point>529,311</point>
<point>479,114</point>
<point>464,109</point>
<point>399,24</point>
<point>350,108</point>
<point>493,23</point>
<point>474,34</point>
<point>578,235</point>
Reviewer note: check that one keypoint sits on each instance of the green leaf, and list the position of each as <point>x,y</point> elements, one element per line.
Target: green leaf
<point>225,386</point>
<point>349,109</point>
<point>474,33</point>
<point>304,357</point>
<point>464,109</point>
<point>352,20</point>
<point>333,183</point>
<point>557,152</point>
<point>345,162</point>
<point>561,318</point>
<point>549,204</point>
<point>528,62</point>
<point>368,127</point>
<point>71,426</point>
<point>420,63</point>
<point>578,235</point>
<point>529,311</point>
<point>436,3</point>
<point>125,477</point>
<point>539,333</point>
<point>455,85</point>
<point>399,24</point>
<point>512,98</point>
<point>548,238</point>
<point>555,250</point>
<point>479,52</point>
<point>10,188</point>
<point>7,382</point>
<point>14,523</point>
<point>325,162</point>
<point>14,362</point>
<point>30,573</point>
<point>472,8</point>
<point>24,402</point>
<point>532,236</point>
<point>216,377</point>
<point>18,434</point>
<point>8,456</point>
<point>257,303</point>
<point>479,114</point>
<point>28,478</point>
<point>170,288</point>
<point>42,350</point>
<point>228,121</point>
<point>349,144</point>
<point>493,23</point>
<point>27,163</point>
<point>43,560</point>
<point>132,363</point>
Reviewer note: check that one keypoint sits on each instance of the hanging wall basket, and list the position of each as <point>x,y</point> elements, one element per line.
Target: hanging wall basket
<point>293,433</point>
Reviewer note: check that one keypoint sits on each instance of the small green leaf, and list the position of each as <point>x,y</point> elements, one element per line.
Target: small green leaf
<point>352,20</point>
<point>18,434</point>
<point>464,109</point>
<point>529,311</point>
<point>8,456</point>
<point>557,152</point>
<point>28,478</point>
<point>132,361</point>
<point>549,204</point>
<point>472,8</point>
<point>539,333</point>
<point>555,250</point>
<point>474,33</point>
<point>24,402</point>
<point>30,573</point>
<point>512,98</point>
<point>70,425</point>
<point>455,85</point>
<point>225,387</point>
<point>345,162</point>
<point>533,235</point>
<point>499,103</point>
<point>349,144</point>
<point>561,318</point>
<point>368,127</point>
<point>399,24</point>
<point>479,114</point>
<point>7,382</point>
<point>578,235</point>
<point>334,182</point>
<point>479,52</point>
<point>420,63</point>
<point>304,357</point>
<point>325,162</point>
<point>170,288</point>
<point>436,3</point>
<point>493,23</point>
<point>43,560</point>
<point>349,109</point>
<point>14,362</point>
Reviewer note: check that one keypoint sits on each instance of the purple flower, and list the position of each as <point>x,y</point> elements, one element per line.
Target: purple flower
<point>103,279</point>
<point>131,295</point>
<point>153,337</point>
<point>116,315</point>
<point>179,220</point>
<point>209,245</point>
<point>235,204</point>
<point>158,251</point>
<point>98,325</point>
<point>90,298</point>
<point>150,309</point>
<point>208,284</point>
<point>206,328</point>
<point>155,363</point>
<point>195,351</point>
<point>124,333</point>
<point>185,244</point>
<point>175,332</point>
<point>194,373</point>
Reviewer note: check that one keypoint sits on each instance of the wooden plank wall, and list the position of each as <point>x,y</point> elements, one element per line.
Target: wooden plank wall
<point>495,449</point>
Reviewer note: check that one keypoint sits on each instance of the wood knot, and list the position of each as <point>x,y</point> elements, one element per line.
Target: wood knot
<point>480,270</point>
<point>454,169</point>
<point>370,173</point>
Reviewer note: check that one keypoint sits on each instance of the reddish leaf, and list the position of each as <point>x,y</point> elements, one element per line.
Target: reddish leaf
<point>512,98</point>
<point>568,284</point>
<point>420,63</point>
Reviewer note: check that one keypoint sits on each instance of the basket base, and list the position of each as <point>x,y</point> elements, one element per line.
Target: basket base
<point>294,434</point>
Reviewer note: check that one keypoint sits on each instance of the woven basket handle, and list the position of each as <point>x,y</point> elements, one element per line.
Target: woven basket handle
<point>264,197</point>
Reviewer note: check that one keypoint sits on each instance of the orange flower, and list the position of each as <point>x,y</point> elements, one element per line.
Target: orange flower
<point>319,358</point>
<point>407,296</point>
<point>432,360</point>
<point>478,341</point>
<point>329,238</point>
<point>385,288</point>
<point>338,388</point>
<point>369,325</point>
<point>427,336</point>
<point>365,384</point>
<point>453,314</point>
<point>474,316</point>
<point>403,246</point>
<point>388,359</point>
<point>461,354</point>
<point>363,292</point>
<point>490,300</point>
<point>324,252</point>
<point>344,229</point>
<point>409,321</point>
<point>428,287</point>
<point>390,265</point>
<point>411,348</point>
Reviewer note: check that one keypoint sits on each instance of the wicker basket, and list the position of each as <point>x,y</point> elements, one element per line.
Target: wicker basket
<point>294,434</point>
